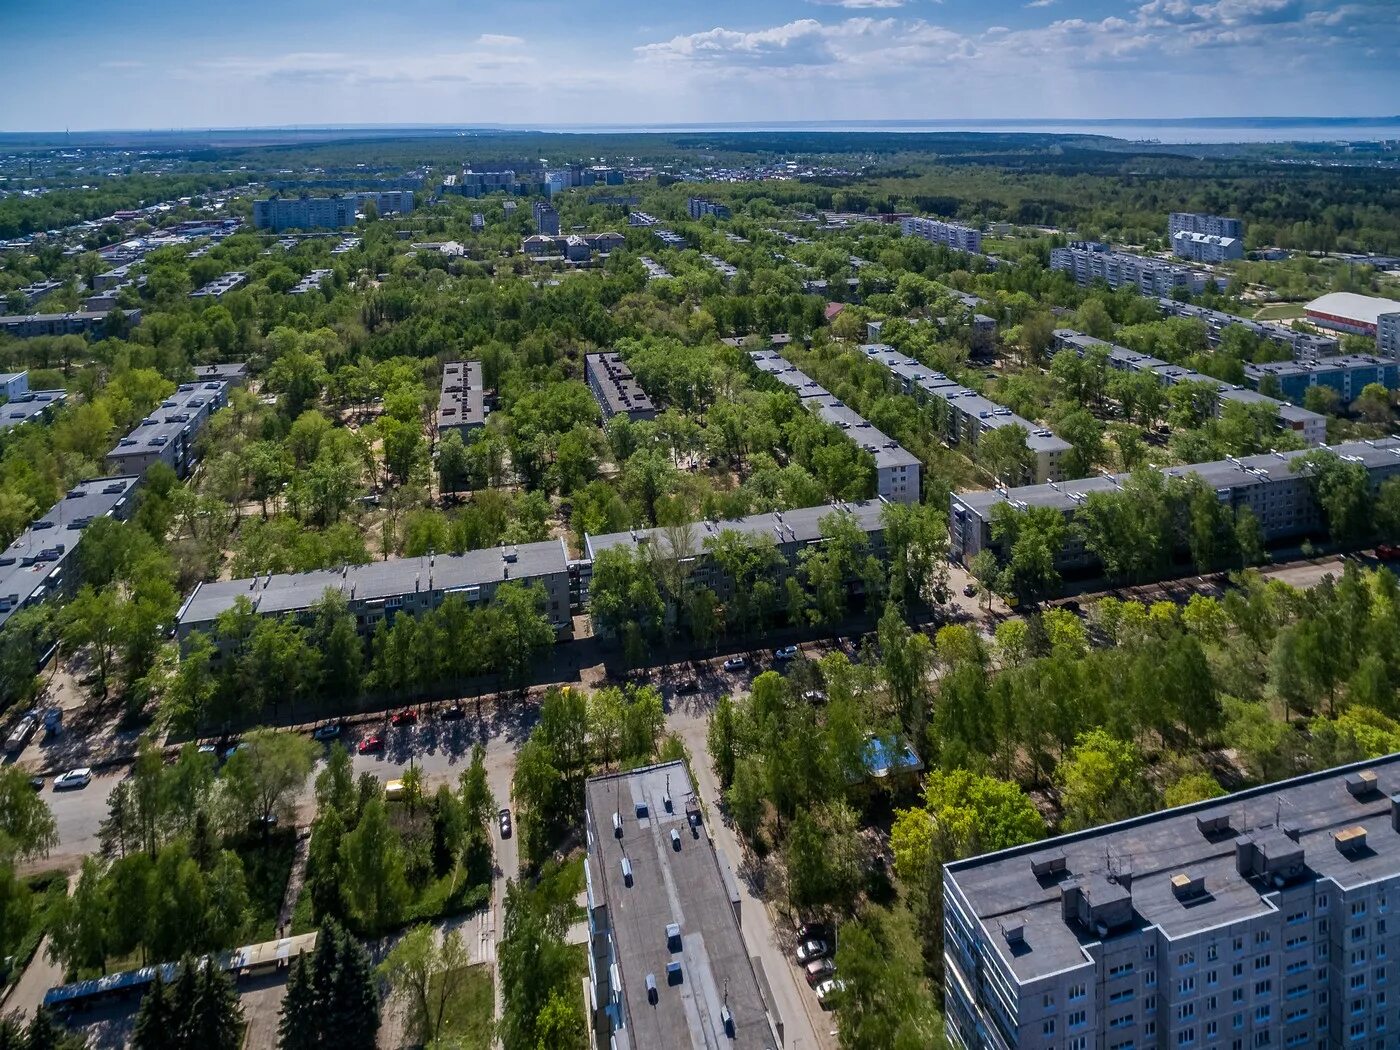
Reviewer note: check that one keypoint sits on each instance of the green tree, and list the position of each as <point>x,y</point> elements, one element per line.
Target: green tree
<point>267,772</point>
<point>372,870</point>
<point>426,975</point>
<point>1101,780</point>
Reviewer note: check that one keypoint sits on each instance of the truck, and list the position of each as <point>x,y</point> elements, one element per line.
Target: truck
<point>21,734</point>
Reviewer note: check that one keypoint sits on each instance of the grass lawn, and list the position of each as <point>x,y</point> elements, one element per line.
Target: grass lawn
<point>1279,312</point>
<point>467,1025</point>
<point>45,889</point>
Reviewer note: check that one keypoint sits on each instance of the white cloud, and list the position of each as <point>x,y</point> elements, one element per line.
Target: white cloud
<point>1039,3</point>
<point>861,5</point>
<point>500,40</point>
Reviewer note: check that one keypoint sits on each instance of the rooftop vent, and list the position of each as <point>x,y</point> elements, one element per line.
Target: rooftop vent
<point>1054,864</point>
<point>1362,783</point>
<point>1015,933</point>
<point>1213,824</point>
<point>1350,841</point>
<point>1186,886</point>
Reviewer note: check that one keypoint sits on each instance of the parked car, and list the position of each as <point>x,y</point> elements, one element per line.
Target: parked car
<point>371,745</point>
<point>74,778</point>
<point>208,749</point>
<point>23,730</point>
<point>816,948</point>
<point>329,731</point>
<point>505,823</point>
<point>406,717</point>
<point>818,970</point>
<point>453,713</point>
<point>1387,551</point>
<point>37,783</point>
<point>828,990</point>
<point>814,696</point>
<point>53,721</point>
<point>687,685</point>
<point>970,590</point>
<point>735,663</point>
<point>787,652</point>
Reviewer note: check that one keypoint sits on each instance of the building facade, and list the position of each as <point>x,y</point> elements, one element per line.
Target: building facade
<point>546,219</point>
<point>667,963</point>
<point>1304,346</point>
<point>1257,920</point>
<point>83,322</point>
<point>1354,314</point>
<point>1205,225</point>
<point>1206,247</point>
<point>616,389</point>
<point>1347,374</point>
<point>937,231</point>
<point>699,208</point>
<point>1090,261</point>
<point>387,202</point>
<point>303,213</point>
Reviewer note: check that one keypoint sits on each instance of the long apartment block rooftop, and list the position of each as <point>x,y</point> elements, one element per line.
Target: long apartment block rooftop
<point>30,405</point>
<point>171,425</point>
<point>1184,871</point>
<point>462,405</point>
<point>220,286</point>
<point>616,389</point>
<point>33,566</point>
<point>668,963</point>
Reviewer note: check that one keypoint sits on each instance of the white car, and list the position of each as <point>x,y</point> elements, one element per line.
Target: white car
<point>828,990</point>
<point>74,778</point>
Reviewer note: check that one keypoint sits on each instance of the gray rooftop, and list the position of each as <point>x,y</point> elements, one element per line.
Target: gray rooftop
<point>275,594</point>
<point>220,285</point>
<point>33,565</point>
<point>887,451</point>
<point>463,399</point>
<point>232,372</point>
<point>26,406</point>
<point>1198,841</point>
<point>187,407</point>
<point>690,887</point>
<point>619,389</point>
<point>800,526</point>
<point>1319,366</point>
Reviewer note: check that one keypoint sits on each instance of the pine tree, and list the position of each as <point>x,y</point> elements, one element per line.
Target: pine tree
<point>44,1032</point>
<point>357,993</point>
<point>155,1020</point>
<point>297,1027</point>
<point>183,998</point>
<point>332,998</point>
<point>217,1021</point>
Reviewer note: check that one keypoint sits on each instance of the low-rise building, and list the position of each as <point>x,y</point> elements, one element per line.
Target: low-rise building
<point>382,590</point>
<point>1090,261</point>
<point>616,389</point>
<point>655,271</point>
<point>1253,920</point>
<point>667,962</point>
<point>897,471</point>
<point>167,435</point>
<point>724,269</point>
<point>32,406</point>
<point>1352,313</point>
<point>968,415</point>
<point>39,564</point>
<point>13,384</point>
<point>1280,498</point>
<point>81,322</point>
<point>1304,346</point>
<point>938,231</point>
<point>1347,374</point>
<point>311,282</point>
<point>220,286</point>
<point>234,373</point>
<point>462,404</point>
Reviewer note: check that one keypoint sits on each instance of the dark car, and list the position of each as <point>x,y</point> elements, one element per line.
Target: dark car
<point>687,685</point>
<point>505,823</point>
<point>453,713</point>
<point>37,783</point>
<point>329,731</point>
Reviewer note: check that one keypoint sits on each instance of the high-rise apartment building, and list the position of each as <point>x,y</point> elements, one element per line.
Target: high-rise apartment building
<point>954,235</point>
<point>1207,225</point>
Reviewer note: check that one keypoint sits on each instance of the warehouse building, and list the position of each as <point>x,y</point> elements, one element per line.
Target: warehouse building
<point>1356,314</point>
<point>667,962</point>
<point>1254,920</point>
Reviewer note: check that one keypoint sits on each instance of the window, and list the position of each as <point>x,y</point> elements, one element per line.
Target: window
<point>1048,1028</point>
<point>1185,986</point>
<point>1076,992</point>
<point>1075,1019</point>
<point>1358,908</point>
<point>1186,1011</point>
<point>1186,959</point>
<point>1211,953</point>
<point>1049,1001</point>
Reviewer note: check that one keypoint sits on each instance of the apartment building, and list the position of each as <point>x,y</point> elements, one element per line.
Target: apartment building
<point>966,414</point>
<point>1280,498</point>
<point>168,434</point>
<point>699,208</point>
<point>81,322</point>
<point>462,403</point>
<point>1206,247</point>
<point>937,231</point>
<point>303,213</point>
<point>311,282</point>
<point>234,373</point>
<point>381,590</point>
<point>897,470</point>
<point>478,183</point>
<point>1388,335</point>
<point>655,271</point>
<point>387,202</point>
<point>726,270</point>
<point>1206,225</point>
<point>1308,425</point>
<point>39,563</point>
<point>792,531</point>
<point>1256,920</point>
<point>1304,346</point>
<point>1090,261</point>
<point>220,286</point>
<point>13,384</point>
<point>616,389</point>
<point>667,962</point>
<point>546,219</point>
<point>30,407</point>
<point>1347,374</point>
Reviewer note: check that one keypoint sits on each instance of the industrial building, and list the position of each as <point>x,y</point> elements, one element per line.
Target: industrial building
<point>667,963</point>
<point>966,414</point>
<point>168,433</point>
<point>39,563</point>
<point>1304,346</point>
<point>381,590</point>
<point>937,231</point>
<point>616,389</point>
<point>1281,499</point>
<point>1090,261</point>
<point>897,471</point>
<point>1254,920</point>
<point>1308,425</point>
<point>1357,315</point>
<point>303,213</point>
<point>81,322</point>
<point>462,404</point>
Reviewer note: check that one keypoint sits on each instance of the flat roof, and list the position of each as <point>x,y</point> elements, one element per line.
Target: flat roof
<point>1335,363</point>
<point>801,526</point>
<point>1138,859</point>
<point>887,451</point>
<point>26,406</point>
<point>1365,308</point>
<point>38,555</point>
<point>689,887</point>
<point>188,405</point>
<point>281,593</point>
<point>463,399</point>
<point>616,385</point>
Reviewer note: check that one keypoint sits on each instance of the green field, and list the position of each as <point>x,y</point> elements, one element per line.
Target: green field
<point>467,1024</point>
<point>1279,312</point>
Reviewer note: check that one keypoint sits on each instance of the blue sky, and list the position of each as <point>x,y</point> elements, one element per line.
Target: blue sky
<point>191,63</point>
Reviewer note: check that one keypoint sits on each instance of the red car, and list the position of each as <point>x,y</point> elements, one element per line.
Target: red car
<point>1387,551</point>
<point>403,718</point>
<point>371,745</point>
